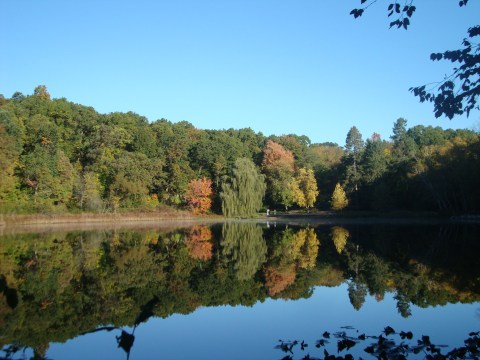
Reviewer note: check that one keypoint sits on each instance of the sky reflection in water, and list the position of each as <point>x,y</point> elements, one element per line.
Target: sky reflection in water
<point>239,332</point>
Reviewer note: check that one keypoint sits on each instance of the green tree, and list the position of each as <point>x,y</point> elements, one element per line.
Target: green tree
<point>134,176</point>
<point>404,146</point>
<point>339,200</point>
<point>245,246</point>
<point>41,92</point>
<point>242,194</point>
<point>375,159</point>
<point>87,191</point>
<point>11,134</point>
<point>49,174</point>
<point>357,293</point>
<point>354,146</point>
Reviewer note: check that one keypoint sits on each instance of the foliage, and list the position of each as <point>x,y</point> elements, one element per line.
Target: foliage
<point>57,285</point>
<point>242,195</point>
<point>59,156</point>
<point>245,246</point>
<point>278,166</point>
<point>457,93</point>
<point>305,189</point>
<point>199,194</point>
<point>389,344</point>
<point>199,243</point>
<point>340,236</point>
<point>339,199</point>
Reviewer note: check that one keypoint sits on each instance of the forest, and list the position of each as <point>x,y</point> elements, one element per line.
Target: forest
<point>59,156</point>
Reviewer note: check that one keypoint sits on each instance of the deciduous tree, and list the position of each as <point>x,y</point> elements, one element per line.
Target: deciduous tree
<point>199,195</point>
<point>242,194</point>
<point>305,189</point>
<point>339,200</point>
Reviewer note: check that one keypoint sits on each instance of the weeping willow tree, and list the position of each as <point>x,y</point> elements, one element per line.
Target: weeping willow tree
<point>245,246</point>
<point>242,195</point>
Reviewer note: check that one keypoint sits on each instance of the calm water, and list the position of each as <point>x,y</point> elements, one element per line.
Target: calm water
<point>232,291</point>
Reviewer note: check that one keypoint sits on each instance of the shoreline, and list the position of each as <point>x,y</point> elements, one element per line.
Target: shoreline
<point>90,221</point>
<point>173,219</point>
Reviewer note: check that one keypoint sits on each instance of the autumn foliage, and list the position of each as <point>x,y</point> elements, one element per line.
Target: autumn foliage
<point>199,243</point>
<point>278,279</point>
<point>276,157</point>
<point>199,195</point>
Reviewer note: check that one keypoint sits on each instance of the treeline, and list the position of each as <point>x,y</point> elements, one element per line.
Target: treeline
<point>60,156</point>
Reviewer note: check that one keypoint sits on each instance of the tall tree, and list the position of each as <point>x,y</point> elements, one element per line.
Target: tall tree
<point>403,145</point>
<point>242,195</point>
<point>375,160</point>
<point>11,146</point>
<point>354,145</point>
<point>278,166</point>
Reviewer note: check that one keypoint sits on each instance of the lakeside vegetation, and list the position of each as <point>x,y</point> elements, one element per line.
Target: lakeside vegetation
<point>61,157</point>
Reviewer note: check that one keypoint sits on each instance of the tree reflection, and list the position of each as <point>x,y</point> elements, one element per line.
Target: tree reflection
<point>199,242</point>
<point>56,286</point>
<point>244,245</point>
<point>340,236</point>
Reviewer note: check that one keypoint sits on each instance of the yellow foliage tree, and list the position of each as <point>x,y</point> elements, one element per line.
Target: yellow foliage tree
<point>340,236</point>
<point>339,199</point>
<point>304,188</point>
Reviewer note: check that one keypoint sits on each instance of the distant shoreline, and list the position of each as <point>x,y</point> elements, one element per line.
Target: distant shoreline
<point>174,219</point>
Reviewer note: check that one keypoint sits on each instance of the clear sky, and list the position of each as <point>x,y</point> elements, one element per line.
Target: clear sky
<point>277,66</point>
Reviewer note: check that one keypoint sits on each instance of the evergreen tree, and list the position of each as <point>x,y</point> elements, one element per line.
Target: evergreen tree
<point>354,145</point>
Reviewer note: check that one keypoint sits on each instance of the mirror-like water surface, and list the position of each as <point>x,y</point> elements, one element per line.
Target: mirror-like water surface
<point>233,290</point>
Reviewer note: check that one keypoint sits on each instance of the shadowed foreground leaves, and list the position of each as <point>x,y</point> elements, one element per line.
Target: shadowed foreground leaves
<point>388,345</point>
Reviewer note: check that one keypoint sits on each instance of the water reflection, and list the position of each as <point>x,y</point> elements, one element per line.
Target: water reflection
<point>54,287</point>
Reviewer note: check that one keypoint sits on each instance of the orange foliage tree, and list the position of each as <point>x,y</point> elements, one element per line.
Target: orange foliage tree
<point>199,243</point>
<point>277,158</point>
<point>278,279</point>
<point>199,195</point>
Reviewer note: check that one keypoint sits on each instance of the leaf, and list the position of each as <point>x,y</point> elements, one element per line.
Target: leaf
<point>388,330</point>
<point>345,344</point>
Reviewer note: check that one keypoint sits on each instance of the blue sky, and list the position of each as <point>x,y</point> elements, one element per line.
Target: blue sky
<point>276,66</point>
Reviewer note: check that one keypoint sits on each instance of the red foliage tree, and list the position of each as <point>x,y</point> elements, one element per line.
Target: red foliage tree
<point>199,243</point>
<point>199,195</point>
<point>278,279</point>
<point>277,158</point>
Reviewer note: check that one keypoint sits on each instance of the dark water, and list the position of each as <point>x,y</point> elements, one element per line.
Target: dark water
<point>232,291</point>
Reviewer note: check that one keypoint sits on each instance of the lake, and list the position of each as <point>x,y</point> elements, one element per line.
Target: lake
<point>233,290</point>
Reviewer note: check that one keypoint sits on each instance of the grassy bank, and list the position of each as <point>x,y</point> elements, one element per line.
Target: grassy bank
<point>89,218</point>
